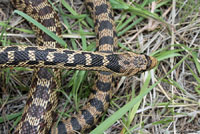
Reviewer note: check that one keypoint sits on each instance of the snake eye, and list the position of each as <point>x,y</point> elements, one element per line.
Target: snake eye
<point>151,62</point>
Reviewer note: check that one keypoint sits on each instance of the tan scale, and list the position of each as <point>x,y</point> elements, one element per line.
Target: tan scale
<point>105,78</point>
<point>33,120</point>
<point>40,102</point>
<point>10,56</point>
<point>102,47</point>
<point>88,59</point>
<point>32,55</point>
<point>50,57</point>
<point>104,17</point>
<point>105,32</point>
<point>40,6</point>
<point>70,58</point>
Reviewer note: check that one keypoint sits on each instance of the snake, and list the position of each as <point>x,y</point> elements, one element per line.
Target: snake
<point>48,57</point>
<point>120,64</point>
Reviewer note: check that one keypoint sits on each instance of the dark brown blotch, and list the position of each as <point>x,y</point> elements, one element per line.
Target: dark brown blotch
<point>89,119</point>
<point>36,111</point>
<point>27,128</point>
<point>44,11</point>
<point>75,124</point>
<point>35,2</point>
<point>103,8</point>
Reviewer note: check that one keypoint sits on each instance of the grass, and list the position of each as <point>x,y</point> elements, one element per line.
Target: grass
<point>163,100</point>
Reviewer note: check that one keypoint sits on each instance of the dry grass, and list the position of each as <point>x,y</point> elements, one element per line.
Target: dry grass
<point>168,30</point>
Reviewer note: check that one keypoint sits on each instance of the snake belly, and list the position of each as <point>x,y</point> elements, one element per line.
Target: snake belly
<point>42,100</point>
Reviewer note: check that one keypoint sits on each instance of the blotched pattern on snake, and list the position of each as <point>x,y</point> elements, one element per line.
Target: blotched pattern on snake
<point>42,100</point>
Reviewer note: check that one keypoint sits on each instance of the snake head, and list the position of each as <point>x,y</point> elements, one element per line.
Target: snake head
<point>132,63</point>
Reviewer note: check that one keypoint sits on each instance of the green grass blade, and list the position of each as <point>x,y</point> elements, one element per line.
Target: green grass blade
<point>51,34</point>
<point>117,115</point>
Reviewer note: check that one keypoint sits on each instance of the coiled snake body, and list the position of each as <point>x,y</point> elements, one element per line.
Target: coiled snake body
<point>42,101</point>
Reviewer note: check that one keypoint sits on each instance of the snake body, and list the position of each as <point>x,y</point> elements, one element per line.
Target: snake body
<point>124,64</point>
<point>42,100</point>
<point>38,114</point>
<point>101,94</point>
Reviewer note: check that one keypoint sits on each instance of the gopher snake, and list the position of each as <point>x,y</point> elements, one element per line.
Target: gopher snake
<point>39,110</point>
<point>126,64</point>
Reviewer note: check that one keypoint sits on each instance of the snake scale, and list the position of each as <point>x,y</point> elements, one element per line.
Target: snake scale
<point>42,100</point>
<point>121,64</point>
